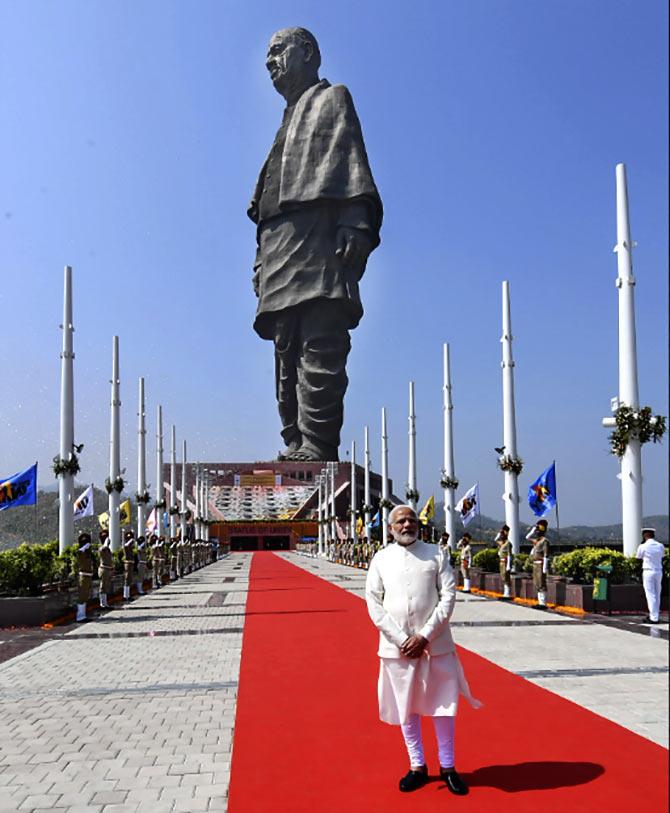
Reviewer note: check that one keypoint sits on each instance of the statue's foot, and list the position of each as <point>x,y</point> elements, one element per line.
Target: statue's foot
<point>310,451</point>
<point>291,448</point>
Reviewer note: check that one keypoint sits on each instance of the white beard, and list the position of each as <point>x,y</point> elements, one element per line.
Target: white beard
<point>405,538</point>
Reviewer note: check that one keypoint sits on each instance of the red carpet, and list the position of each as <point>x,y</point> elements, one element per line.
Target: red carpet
<point>308,738</point>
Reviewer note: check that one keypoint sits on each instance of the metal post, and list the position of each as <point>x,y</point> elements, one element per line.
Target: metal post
<point>173,483</point>
<point>115,451</point>
<point>367,519</point>
<point>159,472</point>
<point>352,486</point>
<point>66,451</point>
<point>333,515</point>
<point>206,490</point>
<point>141,464</point>
<point>511,495</point>
<point>198,529</point>
<point>631,462</point>
<point>184,505</point>
<point>411,475</point>
<point>385,481</point>
<point>448,470</point>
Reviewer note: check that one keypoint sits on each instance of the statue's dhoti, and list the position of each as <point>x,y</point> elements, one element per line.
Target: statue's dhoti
<point>311,348</point>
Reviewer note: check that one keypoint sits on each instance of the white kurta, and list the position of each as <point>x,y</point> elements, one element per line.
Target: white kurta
<point>411,590</point>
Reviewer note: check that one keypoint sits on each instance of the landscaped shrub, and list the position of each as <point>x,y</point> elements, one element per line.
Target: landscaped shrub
<point>487,559</point>
<point>25,569</point>
<point>522,562</point>
<point>581,565</point>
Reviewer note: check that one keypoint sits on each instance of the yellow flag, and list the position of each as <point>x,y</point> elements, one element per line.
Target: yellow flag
<point>103,519</point>
<point>124,513</point>
<point>428,511</point>
<point>359,526</point>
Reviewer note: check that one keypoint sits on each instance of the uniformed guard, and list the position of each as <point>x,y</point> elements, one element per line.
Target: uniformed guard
<point>128,563</point>
<point>141,564</point>
<point>651,552</point>
<point>540,558</point>
<point>466,559</point>
<point>505,560</point>
<point>85,567</point>
<point>156,556</point>
<point>173,557</point>
<point>106,567</point>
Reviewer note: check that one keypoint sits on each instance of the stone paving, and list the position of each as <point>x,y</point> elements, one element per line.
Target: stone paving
<point>135,711</point>
<point>131,712</point>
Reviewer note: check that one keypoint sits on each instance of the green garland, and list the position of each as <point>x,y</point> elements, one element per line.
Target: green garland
<point>412,495</point>
<point>385,504</point>
<point>117,484</point>
<point>509,463</point>
<point>367,509</point>
<point>635,424</point>
<point>143,498</point>
<point>448,482</point>
<point>160,504</point>
<point>174,510</point>
<point>69,466</point>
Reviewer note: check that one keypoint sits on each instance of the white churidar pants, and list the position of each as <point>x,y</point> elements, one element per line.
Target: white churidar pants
<point>651,580</point>
<point>444,733</point>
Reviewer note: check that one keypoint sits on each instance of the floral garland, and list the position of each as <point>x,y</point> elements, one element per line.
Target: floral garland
<point>160,504</point>
<point>385,504</point>
<point>367,509</point>
<point>174,510</point>
<point>114,485</point>
<point>142,498</point>
<point>448,482</point>
<point>350,512</point>
<point>639,424</point>
<point>412,495</point>
<point>69,466</point>
<point>508,463</point>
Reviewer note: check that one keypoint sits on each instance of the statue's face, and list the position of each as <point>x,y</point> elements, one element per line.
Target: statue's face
<point>287,60</point>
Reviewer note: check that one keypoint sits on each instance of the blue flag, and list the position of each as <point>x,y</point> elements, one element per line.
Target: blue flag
<point>20,489</point>
<point>375,522</point>
<point>542,494</point>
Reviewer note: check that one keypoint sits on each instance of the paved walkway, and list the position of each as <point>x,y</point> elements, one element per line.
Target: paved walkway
<point>135,711</point>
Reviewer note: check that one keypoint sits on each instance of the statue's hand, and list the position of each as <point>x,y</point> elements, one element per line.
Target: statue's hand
<point>352,246</point>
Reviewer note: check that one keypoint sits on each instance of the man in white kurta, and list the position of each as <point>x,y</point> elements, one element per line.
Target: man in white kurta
<point>410,593</point>
<point>651,551</point>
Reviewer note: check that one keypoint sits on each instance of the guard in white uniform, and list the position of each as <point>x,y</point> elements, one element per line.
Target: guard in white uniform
<point>410,593</point>
<point>651,552</point>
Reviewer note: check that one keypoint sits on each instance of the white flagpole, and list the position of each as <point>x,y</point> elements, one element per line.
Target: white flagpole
<point>141,463</point>
<point>115,451</point>
<point>367,519</point>
<point>173,483</point>
<point>159,472</point>
<point>66,451</point>
<point>511,495</point>
<point>411,476</point>
<point>384,518</point>
<point>352,525</point>
<point>184,506</point>
<point>448,470</point>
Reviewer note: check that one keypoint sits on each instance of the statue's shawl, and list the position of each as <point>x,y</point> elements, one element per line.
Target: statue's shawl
<point>324,155</point>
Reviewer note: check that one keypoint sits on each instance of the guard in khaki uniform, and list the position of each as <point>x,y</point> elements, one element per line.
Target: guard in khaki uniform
<point>173,557</point>
<point>156,558</point>
<point>141,564</point>
<point>85,567</point>
<point>128,563</point>
<point>106,567</point>
<point>505,560</point>
<point>540,558</point>
<point>466,560</point>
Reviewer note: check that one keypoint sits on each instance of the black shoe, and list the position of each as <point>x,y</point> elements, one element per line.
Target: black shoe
<point>454,782</point>
<point>413,780</point>
<point>540,606</point>
<point>648,620</point>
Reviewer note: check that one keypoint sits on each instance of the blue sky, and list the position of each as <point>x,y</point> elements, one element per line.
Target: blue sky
<point>132,133</point>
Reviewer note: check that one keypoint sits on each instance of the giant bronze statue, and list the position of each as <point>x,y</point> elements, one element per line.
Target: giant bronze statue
<point>318,215</point>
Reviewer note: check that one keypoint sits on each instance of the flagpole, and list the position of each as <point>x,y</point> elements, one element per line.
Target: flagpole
<point>411,475</point>
<point>511,495</point>
<point>115,452</point>
<point>66,451</point>
<point>352,504</point>
<point>449,473</point>
<point>159,471</point>
<point>558,522</point>
<point>141,463</point>
<point>366,484</point>
<point>173,483</point>
<point>184,507</point>
<point>385,482</point>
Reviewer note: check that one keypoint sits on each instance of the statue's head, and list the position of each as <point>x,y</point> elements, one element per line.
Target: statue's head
<point>293,60</point>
